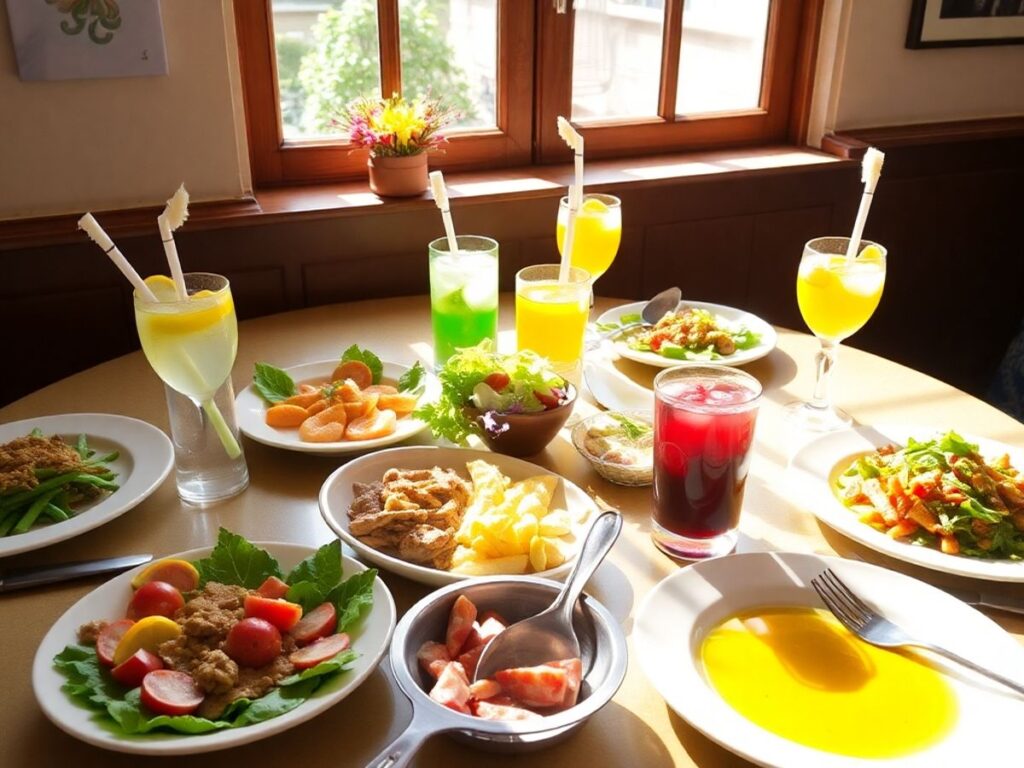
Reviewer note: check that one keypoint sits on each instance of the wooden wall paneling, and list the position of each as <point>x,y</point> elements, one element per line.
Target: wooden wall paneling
<point>50,334</point>
<point>778,241</point>
<point>370,277</point>
<point>708,259</point>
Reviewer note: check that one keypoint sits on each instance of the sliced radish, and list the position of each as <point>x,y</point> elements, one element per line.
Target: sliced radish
<point>324,649</point>
<point>130,672</point>
<point>167,692</point>
<point>108,638</point>
<point>320,622</point>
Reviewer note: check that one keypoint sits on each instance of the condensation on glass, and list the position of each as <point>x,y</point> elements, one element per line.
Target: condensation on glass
<point>616,63</point>
<point>450,49</point>
<point>721,55</point>
<point>328,54</point>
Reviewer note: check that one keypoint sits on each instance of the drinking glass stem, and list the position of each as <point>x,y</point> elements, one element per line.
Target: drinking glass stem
<point>826,360</point>
<point>227,438</point>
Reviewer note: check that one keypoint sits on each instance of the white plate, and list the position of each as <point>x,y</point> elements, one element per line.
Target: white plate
<point>674,618</point>
<point>813,466</point>
<point>251,409</point>
<point>729,315</point>
<point>336,498</point>
<point>146,458</point>
<point>370,639</point>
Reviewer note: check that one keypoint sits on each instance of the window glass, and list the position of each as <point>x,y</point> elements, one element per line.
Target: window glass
<point>450,50</point>
<point>327,55</point>
<point>616,64</point>
<point>721,55</point>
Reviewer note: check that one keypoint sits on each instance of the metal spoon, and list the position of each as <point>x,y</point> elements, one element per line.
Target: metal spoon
<point>549,635</point>
<point>653,311</point>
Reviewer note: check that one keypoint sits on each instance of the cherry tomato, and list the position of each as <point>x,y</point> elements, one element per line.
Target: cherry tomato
<point>320,622</point>
<point>253,642</point>
<point>108,638</point>
<point>548,399</point>
<point>167,692</point>
<point>497,381</point>
<point>273,588</point>
<point>131,671</point>
<point>280,613</point>
<point>155,598</point>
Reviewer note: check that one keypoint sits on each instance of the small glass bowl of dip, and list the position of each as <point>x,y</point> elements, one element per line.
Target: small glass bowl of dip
<point>620,446</point>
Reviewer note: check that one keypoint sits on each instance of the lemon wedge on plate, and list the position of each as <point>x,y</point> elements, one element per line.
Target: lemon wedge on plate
<point>148,634</point>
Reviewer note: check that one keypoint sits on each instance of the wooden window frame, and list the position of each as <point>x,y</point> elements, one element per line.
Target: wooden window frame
<point>786,80</point>
<point>534,87</point>
<point>278,161</point>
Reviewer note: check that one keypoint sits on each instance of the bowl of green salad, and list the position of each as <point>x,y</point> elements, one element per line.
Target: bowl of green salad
<point>515,404</point>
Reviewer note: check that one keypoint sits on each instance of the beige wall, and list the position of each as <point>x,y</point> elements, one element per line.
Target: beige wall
<point>883,83</point>
<point>67,146</point>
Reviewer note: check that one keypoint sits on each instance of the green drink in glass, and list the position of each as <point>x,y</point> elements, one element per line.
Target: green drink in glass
<point>463,294</point>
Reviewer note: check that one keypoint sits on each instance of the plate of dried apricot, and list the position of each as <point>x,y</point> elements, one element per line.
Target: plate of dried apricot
<point>351,405</point>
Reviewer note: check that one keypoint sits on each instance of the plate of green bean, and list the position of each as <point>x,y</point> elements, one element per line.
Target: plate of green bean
<point>63,475</point>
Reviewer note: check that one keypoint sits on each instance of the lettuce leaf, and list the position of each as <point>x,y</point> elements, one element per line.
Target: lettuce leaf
<point>236,561</point>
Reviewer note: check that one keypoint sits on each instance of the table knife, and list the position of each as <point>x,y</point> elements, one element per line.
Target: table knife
<point>1010,603</point>
<point>22,578</point>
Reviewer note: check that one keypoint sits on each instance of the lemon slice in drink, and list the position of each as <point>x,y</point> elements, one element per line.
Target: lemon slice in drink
<point>162,287</point>
<point>870,253</point>
<point>593,205</point>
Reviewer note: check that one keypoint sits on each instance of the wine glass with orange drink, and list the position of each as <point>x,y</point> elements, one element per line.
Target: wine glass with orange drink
<point>837,295</point>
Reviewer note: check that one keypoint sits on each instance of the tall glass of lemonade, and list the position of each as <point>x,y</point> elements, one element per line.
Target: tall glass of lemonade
<point>463,294</point>
<point>597,233</point>
<point>551,316</point>
<point>191,345</point>
<point>837,296</point>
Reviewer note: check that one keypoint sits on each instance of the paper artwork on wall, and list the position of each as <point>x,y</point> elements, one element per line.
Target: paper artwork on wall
<point>82,39</point>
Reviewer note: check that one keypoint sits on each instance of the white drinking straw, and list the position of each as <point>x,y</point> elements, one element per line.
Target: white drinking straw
<point>441,198</point>
<point>174,216</point>
<point>95,232</point>
<point>871,169</point>
<point>575,141</point>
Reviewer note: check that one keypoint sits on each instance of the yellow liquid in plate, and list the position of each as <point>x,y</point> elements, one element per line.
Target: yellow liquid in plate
<point>551,318</point>
<point>596,236</point>
<point>798,673</point>
<point>837,298</point>
<point>191,345</point>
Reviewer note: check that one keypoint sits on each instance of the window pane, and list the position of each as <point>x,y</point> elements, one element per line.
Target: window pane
<point>721,55</point>
<point>616,59</point>
<point>327,55</point>
<point>450,49</point>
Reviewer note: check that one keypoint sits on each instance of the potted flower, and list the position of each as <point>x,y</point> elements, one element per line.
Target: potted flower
<point>399,135</point>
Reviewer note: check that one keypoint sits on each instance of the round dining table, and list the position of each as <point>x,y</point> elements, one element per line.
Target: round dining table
<point>636,728</point>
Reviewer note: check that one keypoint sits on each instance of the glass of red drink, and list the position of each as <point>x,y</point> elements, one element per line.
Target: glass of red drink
<point>703,429</point>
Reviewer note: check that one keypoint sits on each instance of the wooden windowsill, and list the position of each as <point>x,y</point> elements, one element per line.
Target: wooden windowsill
<point>353,198</point>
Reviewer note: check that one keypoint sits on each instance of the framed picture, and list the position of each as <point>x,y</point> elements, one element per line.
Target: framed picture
<point>80,39</point>
<point>953,23</point>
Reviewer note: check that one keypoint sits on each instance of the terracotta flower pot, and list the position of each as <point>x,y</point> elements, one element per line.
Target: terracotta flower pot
<point>403,176</point>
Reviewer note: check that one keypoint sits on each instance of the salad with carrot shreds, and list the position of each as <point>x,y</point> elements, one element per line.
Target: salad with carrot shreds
<point>940,492</point>
<point>689,334</point>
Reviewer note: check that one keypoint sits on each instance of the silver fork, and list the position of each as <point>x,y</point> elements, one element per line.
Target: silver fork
<point>868,625</point>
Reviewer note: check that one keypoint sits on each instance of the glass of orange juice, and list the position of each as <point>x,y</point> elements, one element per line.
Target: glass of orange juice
<point>837,296</point>
<point>551,317</point>
<point>597,234</point>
